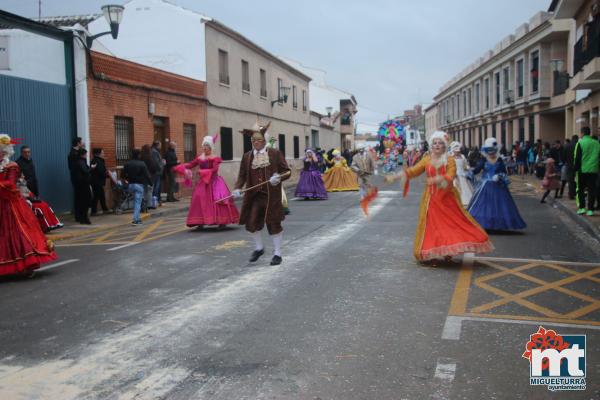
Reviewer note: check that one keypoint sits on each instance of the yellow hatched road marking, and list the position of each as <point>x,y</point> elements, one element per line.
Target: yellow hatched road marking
<point>102,238</point>
<point>545,286</point>
<point>461,291</point>
<point>148,231</point>
<point>460,297</point>
<point>518,300</point>
<point>167,234</point>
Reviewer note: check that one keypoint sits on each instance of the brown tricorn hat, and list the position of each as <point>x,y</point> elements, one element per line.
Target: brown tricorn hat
<point>257,130</point>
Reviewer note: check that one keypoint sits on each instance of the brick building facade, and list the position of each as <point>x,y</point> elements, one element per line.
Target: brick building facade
<point>131,105</point>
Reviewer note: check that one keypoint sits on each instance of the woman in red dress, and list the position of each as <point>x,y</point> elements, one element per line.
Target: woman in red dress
<point>445,228</point>
<point>23,246</point>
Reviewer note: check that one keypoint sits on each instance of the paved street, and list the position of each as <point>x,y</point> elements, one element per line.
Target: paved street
<point>160,311</point>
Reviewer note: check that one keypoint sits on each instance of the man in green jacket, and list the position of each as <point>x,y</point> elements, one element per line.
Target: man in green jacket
<point>587,165</point>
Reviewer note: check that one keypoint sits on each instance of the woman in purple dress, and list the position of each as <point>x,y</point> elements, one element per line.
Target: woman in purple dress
<point>310,185</point>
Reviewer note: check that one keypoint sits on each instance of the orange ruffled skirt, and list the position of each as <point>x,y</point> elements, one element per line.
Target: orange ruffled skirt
<point>446,228</point>
<point>340,179</point>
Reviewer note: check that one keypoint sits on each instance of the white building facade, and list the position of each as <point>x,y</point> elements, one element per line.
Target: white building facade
<point>244,81</point>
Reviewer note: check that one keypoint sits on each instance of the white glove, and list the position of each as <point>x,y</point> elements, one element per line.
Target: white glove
<point>495,178</point>
<point>236,193</point>
<point>275,179</point>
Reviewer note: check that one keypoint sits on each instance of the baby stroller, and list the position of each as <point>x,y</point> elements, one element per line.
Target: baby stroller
<point>123,199</point>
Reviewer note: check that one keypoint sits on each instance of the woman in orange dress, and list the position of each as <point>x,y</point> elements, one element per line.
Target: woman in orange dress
<point>445,228</point>
<point>23,246</point>
<point>339,177</point>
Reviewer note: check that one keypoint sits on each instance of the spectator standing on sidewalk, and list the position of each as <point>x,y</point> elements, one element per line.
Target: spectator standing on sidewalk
<point>28,170</point>
<point>73,159</point>
<point>521,159</point>
<point>98,180</point>
<point>171,161</point>
<point>83,194</point>
<point>531,160</point>
<point>587,164</point>
<point>569,166</point>
<point>152,166</point>
<point>157,157</point>
<point>137,175</point>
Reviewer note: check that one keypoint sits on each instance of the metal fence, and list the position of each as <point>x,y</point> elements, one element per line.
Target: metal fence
<point>38,113</point>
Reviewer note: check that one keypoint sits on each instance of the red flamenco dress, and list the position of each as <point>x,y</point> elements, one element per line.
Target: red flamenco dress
<point>445,228</point>
<point>23,246</point>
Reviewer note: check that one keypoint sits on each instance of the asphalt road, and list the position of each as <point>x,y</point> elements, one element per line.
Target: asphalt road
<point>348,315</point>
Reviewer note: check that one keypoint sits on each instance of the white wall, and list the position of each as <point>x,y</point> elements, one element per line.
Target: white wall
<point>159,35</point>
<point>35,57</point>
<point>81,93</point>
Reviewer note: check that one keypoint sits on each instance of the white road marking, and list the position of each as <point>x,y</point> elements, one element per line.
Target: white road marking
<point>58,264</point>
<point>445,370</point>
<point>123,246</point>
<point>453,325</point>
<point>531,260</point>
<point>88,244</point>
<point>137,361</point>
<point>452,328</point>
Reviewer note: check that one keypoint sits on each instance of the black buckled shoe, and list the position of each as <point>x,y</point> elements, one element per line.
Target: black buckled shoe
<point>256,255</point>
<point>276,260</point>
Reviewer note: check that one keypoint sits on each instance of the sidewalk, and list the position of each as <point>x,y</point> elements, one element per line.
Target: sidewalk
<point>100,223</point>
<point>534,185</point>
<point>110,221</point>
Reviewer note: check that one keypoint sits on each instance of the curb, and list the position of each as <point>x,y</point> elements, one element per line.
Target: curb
<point>586,225</point>
<point>154,214</point>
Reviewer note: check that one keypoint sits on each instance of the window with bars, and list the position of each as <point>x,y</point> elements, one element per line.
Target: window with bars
<point>477,95</point>
<point>296,147</point>
<point>279,86</point>
<point>223,67</point>
<point>535,73</point>
<point>486,90</point>
<point>282,144</point>
<point>295,96</point>
<point>189,142</point>
<point>506,87</point>
<point>520,78</point>
<point>123,139</point>
<point>304,100</point>
<point>226,137</point>
<point>245,76</point>
<point>497,85</point>
<point>263,83</point>
<point>247,143</point>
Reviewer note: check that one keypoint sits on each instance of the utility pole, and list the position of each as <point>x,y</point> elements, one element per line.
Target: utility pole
<point>39,10</point>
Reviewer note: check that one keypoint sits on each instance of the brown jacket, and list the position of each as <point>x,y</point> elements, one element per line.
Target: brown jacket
<point>249,177</point>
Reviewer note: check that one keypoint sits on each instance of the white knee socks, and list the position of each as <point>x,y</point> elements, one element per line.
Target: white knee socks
<point>277,239</point>
<point>258,240</point>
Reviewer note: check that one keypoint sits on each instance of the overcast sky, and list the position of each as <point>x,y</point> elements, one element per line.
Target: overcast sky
<point>391,54</point>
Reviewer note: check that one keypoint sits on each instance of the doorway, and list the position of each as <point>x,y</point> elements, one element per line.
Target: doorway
<point>161,131</point>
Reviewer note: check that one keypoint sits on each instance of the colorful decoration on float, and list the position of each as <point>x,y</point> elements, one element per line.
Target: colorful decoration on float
<point>391,133</point>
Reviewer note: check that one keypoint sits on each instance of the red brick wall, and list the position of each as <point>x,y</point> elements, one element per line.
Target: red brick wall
<point>138,86</point>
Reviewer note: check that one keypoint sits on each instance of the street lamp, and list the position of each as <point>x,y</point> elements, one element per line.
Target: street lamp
<point>557,65</point>
<point>114,15</point>
<point>282,96</point>
<point>329,111</point>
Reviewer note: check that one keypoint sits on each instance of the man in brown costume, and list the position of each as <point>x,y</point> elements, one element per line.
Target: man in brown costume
<point>262,206</point>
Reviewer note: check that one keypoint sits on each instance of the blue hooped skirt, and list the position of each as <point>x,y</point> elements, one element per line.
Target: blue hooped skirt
<point>493,208</point>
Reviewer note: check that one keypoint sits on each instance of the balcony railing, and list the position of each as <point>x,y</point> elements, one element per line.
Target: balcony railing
<point>588,47</point>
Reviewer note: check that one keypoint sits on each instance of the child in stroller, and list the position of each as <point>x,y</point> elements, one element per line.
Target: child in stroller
<point>122,197</point>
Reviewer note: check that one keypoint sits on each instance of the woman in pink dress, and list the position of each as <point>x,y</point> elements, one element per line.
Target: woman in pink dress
<point>204,209</point>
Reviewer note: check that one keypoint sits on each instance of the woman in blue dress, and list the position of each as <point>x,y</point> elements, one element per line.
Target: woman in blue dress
<point>492,206</point>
